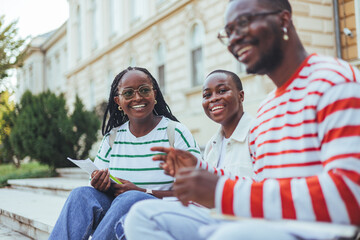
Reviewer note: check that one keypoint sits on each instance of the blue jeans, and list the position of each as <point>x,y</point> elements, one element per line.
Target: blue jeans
<point>88,211</point>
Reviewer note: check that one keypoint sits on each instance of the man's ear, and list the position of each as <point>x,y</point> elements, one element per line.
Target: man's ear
<point>286,19</point>
<point>242,95</point>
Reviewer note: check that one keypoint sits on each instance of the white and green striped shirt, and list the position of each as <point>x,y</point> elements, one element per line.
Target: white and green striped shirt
<point>130,157</point>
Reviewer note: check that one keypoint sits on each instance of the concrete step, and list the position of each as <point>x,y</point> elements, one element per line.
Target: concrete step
<point>31,214</point>
<point>59,186</point>
<point>7,233</point>
<point>73,172</point>
<point>32,206</point>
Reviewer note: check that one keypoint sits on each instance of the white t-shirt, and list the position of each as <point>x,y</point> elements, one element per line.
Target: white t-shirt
<point>131,157</point>
<point>222,156</point>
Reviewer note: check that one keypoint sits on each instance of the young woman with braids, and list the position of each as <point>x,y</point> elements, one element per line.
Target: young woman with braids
<point>137,107</point>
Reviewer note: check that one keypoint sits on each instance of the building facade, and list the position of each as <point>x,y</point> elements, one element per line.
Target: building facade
<point>176,41</point>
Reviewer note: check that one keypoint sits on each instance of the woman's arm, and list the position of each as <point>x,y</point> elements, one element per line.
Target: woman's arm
<point>127,186</point>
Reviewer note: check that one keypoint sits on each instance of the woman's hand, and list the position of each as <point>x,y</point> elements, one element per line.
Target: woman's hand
<point>196,185</point>
<point>100,180</point>
<point>174,159</point>
<point>125,186</point>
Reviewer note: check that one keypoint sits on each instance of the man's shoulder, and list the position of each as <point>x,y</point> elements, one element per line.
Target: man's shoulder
<point>328,70</point>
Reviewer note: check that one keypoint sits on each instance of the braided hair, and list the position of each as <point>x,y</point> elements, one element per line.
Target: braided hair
<point>117,118</point>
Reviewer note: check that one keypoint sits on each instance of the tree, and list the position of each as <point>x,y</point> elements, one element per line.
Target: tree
<point>84,123</point>
<point>7,118</point>
<point>11,47</point>
<point>43,129</point>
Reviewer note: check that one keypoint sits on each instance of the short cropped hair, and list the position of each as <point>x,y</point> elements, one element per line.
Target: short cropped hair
<point>235,78</point>
<point>275,4</point>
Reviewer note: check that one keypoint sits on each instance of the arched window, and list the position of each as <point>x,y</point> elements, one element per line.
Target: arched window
<point>160,66</point>
<point>197,71</point>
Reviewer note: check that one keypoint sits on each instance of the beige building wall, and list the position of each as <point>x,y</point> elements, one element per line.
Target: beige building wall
<point>347,15</point>
<point>99,49</point>
<point>45,65</point>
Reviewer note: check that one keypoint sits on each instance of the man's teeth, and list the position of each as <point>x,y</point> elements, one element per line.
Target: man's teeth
<point>216,108</point>
<point>241,51</point>
<point>138,106</point>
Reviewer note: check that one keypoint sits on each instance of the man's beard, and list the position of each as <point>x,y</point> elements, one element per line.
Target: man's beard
<point>269,60</point>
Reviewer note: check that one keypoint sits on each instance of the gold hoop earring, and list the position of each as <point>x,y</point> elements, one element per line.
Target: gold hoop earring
<point>286,36</point>
<point>155,102</point>
<point>120,109</point>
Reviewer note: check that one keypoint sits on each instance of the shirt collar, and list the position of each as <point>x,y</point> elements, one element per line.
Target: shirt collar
<point>241,131</point>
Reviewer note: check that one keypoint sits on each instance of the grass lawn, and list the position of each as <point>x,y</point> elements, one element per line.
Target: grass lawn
<point>26,170</point>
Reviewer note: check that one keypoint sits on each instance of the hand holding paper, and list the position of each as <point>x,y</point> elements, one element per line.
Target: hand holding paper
<point>88,166</point>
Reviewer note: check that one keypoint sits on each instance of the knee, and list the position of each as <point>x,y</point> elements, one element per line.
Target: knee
<point>138,213</point>
<point>81,192</point>
<point>131,197</point>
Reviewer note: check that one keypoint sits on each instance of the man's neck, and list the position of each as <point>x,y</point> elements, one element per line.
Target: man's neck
<point>291,62</point>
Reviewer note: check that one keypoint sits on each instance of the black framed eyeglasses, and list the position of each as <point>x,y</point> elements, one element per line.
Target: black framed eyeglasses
<point>129,93</point>
<point>241,22</point>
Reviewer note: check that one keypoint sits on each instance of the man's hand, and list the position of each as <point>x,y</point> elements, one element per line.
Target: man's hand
<point>174,159</point>
<point>195,185</point>
<point>100,180</point>
<point>125,186</point>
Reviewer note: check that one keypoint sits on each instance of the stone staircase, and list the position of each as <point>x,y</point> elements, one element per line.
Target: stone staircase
<point>29,208</point>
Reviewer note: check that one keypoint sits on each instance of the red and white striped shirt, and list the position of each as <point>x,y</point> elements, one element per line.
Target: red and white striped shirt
<point>305,148</point>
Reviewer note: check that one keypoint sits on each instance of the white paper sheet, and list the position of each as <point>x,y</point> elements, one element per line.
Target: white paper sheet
<point>87,165</point>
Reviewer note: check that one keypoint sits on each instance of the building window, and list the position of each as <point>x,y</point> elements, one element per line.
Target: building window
<point>137,8</point>
<point>132,62</point>
<point>94,23</point>
<point>160,66</point>
<point>110,79</point>
<point>197,35</point>
<point>112,12</point>
<point>79,40</point>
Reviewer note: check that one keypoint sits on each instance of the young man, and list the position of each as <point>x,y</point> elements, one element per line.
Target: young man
<point>304,142</point>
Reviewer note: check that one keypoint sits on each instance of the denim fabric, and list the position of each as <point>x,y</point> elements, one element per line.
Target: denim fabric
<point>159,219</point>
<point>88,211</point>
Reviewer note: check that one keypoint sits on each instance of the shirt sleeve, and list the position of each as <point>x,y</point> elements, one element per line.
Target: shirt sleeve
<point>333,195</point>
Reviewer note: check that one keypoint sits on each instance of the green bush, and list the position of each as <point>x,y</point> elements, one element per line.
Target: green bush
<point>44,130</point>
<point>27,170</point>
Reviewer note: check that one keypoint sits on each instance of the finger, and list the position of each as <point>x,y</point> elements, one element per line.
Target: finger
<point>160,157</point>
<point>160,149</point>
<point>183,197</point>
<point>96,180</point>
<point>186,171</point>
<point>105,180</point>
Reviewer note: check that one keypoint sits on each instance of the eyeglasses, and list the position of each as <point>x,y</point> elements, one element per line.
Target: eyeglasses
<point>129,93</point>
<point>241,22</point>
